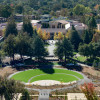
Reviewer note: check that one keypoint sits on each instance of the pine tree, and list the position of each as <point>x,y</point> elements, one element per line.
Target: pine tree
<point>39,49</point>
<point>27,27</point>
<point>64,49</point>
<point>74,38</point>
<point>92,23</point>
<point>11,28</point>
<point>86,38</point>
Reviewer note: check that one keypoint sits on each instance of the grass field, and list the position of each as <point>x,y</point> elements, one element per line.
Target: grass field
<point>47,74</point>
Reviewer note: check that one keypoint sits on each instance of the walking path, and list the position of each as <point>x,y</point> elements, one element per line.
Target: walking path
<point>51,47</point>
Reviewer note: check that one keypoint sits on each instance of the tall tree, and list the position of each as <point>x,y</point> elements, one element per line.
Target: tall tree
<point>64,49</point>
<point>74,38</point>
<point>27,27</point>
<point>92,23</point>
<point>10,46</point>
<point>11,27</point>
<point>67,48</point>
<point>58,52</point>
<point>86,38</point>
<point>23,44</point>
<point>39,49</point>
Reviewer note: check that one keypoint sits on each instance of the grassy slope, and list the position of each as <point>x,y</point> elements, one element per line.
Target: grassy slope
<point>26,75</point>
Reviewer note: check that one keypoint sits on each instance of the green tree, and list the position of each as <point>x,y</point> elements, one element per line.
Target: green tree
<point>23,44</point>
<point>84,50</point>
<point>19,9</point>
<point>27,27</point>
<point>39,49</point>
<point>10,46</point>
<point>5,11</point>
<point>11,28</point>
<point>74,38</point>
<point>79,9</point>
<point>86,38</point>
<point>10,89</point>
<point>58,52</point>
<point>67,48</point>
<point>64,49</point>
<point>92,23</point>
<point>25,96</point>
<point>95,64</point>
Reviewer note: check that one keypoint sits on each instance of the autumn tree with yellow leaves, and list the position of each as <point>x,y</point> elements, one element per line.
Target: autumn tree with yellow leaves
<point>60,35</point>
<point>40,33</point>
<point>55,36</point>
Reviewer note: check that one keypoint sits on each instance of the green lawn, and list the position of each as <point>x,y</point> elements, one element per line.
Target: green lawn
<point>57,77</point>
<point>80,58</point>
<point>50,74</point>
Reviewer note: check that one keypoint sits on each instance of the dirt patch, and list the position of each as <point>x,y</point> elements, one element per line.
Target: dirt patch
<point>7,70</point>
<point>91,71</point>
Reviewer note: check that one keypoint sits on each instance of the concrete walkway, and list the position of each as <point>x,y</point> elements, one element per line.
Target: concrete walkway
<point>51,47</point>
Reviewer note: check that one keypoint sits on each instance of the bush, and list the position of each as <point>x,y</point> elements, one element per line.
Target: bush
<point>95,64</point>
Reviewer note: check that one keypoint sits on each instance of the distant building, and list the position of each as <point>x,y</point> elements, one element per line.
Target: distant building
<point>76,96</point>
<point>19,17</point>
<point>3,20</point>
<point>45,16</point>
<point>52,26</point>
<point>98,27</point>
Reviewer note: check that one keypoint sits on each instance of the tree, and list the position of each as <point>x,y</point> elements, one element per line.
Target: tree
<point>5,11</point>
<point>11,28</point>
<point>84,50</point>
<point>19,9</point>
<point>60,36</point>
<point>74,38</point>
<point>48,35</point>
<point>92,23</point>
<point>96,37</point>
<point>27,27</point>
<point>86,38</point>
<point>64,49</point>
<point>55,36</point>
<point>40,33</point>
<point>79,9</point>
<point>25,96</point>
<point>2,54</point>
<point>45,35</point>
<point>10,89</point>
<point>58,52</point>
<point>23,44</point>
<point>95,64</point>
<point>39,49</point>
<point>10,46</point>
<point>88,90</point>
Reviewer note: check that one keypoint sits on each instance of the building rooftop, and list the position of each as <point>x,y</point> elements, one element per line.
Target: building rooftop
<point>76,96</point>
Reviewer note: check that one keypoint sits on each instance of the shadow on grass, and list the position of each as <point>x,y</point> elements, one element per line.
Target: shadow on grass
<point>71,67</point>
<point>43,65</point>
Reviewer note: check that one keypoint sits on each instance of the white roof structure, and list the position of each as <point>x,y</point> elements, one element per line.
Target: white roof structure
<point>76,96</point>
<point>35,21</point>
